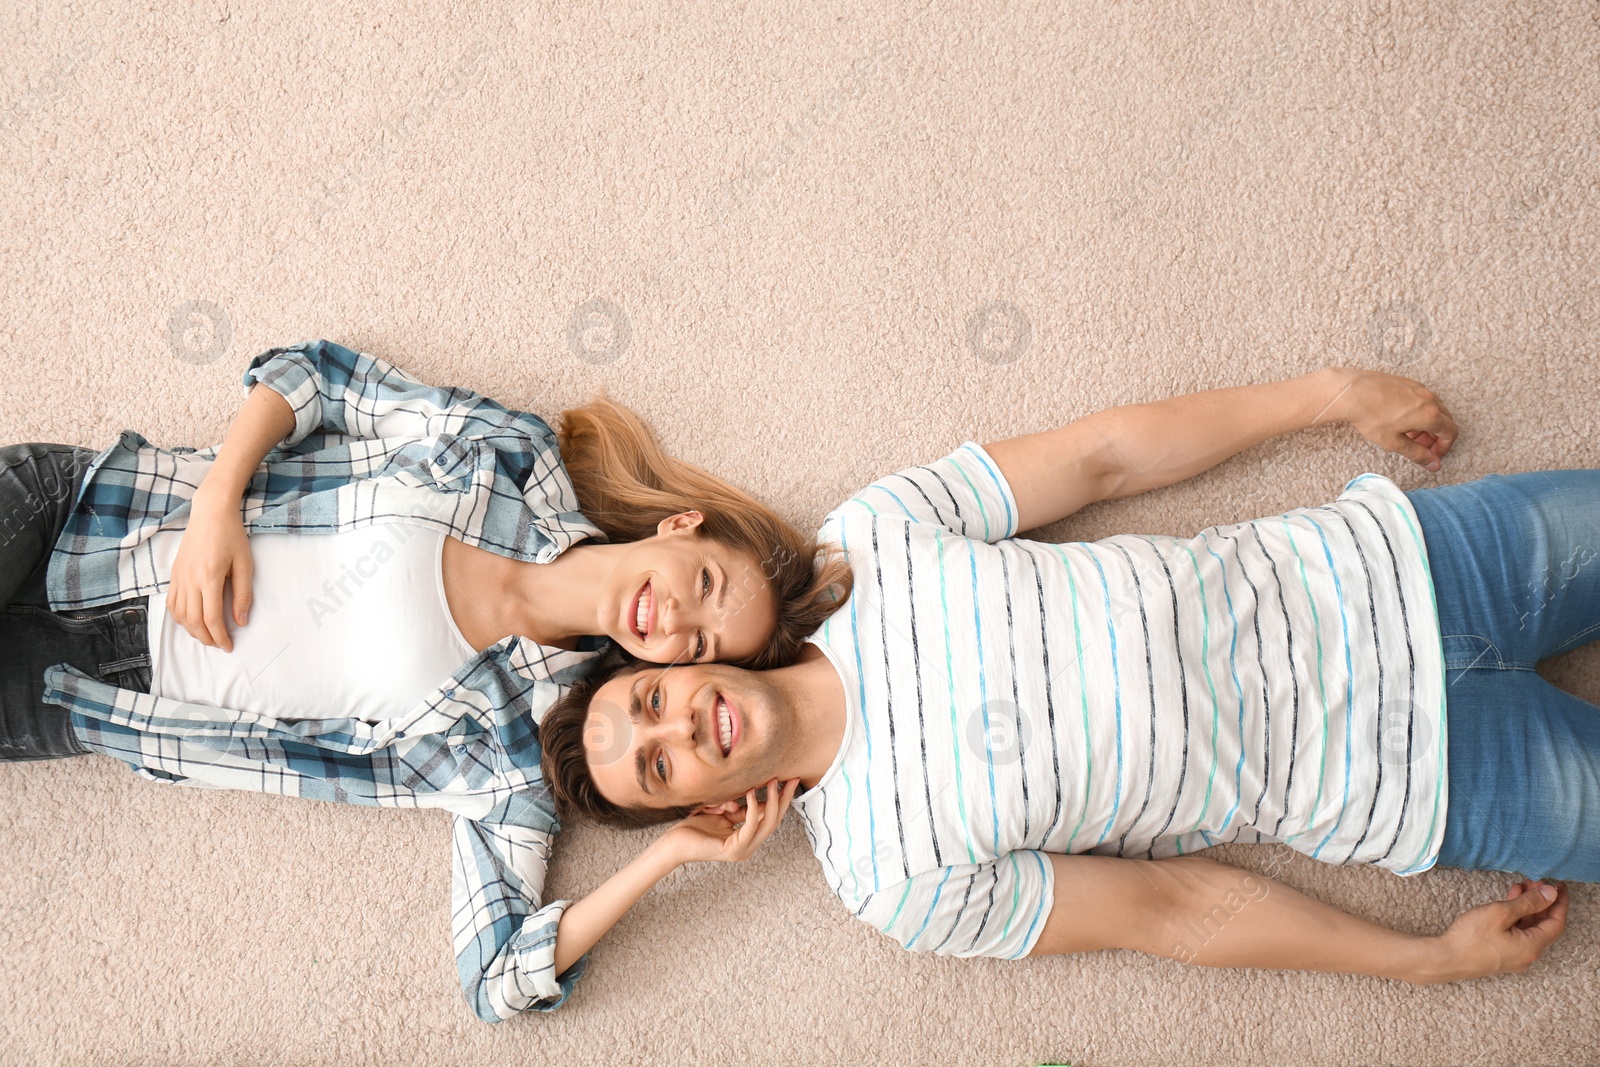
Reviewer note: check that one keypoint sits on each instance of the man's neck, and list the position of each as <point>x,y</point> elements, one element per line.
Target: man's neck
<point>815,692</point>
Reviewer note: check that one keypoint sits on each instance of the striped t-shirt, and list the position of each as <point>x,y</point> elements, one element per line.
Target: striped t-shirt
<point>1145,696</point>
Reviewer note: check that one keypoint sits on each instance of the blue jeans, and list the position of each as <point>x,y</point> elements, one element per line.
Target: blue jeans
<point>39,484</point>
<point>1516,574</point>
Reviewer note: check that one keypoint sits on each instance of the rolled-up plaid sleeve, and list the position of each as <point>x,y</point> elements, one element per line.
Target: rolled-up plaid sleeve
<point>337,392</point>
<point>505,940</point>
<point>334,389</point>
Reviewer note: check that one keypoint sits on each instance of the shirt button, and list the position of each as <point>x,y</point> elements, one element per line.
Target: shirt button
<point>450,694</point>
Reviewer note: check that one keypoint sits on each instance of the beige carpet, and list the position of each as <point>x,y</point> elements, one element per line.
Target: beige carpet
<point>823,245</point>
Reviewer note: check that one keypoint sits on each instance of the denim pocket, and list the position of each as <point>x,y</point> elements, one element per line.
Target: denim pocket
<point>75,622</point>
<point>123,633</point>
<point>135,676</point>
<point>1467,651</point>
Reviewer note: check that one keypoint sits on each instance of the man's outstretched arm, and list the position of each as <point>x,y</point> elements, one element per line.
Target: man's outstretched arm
<point>1197,910</point>
<point>1131,449</point>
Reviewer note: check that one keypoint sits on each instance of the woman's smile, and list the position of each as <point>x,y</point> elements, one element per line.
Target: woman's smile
<point>644,615</point>
<point>679,597</point>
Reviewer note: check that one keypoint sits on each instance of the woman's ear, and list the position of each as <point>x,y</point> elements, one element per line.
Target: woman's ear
<point>686,520</point>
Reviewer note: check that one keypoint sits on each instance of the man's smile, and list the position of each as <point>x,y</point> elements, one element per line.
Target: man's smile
<point>728,727</point>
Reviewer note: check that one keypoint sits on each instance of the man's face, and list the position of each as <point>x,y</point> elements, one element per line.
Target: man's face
<point>666,737</point>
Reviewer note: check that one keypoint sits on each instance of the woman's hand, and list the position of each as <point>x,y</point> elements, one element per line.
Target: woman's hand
<point>1506,936</point>
<point>1394,413</point>
<point>717,838</point>
<point>214,549</point>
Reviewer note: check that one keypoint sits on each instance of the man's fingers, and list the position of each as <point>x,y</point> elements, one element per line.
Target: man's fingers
<point>1415,452</point>
<point>1529,903</point>
<point>1543,931</point>
<point>1444,435</point>
<point>1442,445</point>
<point>1554,920</point>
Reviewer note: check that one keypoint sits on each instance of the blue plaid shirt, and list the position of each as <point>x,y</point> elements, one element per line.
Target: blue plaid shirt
<point>370,445</point>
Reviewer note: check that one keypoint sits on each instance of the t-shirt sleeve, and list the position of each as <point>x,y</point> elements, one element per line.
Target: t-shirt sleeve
<point>964,492</point>
<point>996,908</point>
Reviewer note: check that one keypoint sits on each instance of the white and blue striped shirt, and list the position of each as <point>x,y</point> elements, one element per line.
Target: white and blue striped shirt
<point>1274,680</point>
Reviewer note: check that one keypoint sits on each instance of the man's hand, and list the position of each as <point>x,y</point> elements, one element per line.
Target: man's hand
<point>1196,910</point>
<point>1506,936</point>
<point>214,549</point>
<point>1394,413</point>
<point>707,837</point>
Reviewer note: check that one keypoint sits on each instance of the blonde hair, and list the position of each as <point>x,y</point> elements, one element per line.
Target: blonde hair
<point>627,485</point>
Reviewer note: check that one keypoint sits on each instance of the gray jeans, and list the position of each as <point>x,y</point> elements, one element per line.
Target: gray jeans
<point>38,485</point>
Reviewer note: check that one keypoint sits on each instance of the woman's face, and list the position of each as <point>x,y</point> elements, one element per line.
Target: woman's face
<point>679,597</point>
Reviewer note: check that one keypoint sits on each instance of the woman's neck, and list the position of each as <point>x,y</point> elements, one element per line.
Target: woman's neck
<point>561,599</point>
<point>555,603</point>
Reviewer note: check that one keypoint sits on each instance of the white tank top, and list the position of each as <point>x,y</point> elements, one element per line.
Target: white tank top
<point>351,624</point>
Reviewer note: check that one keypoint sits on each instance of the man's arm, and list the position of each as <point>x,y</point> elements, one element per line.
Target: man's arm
<point>1197,910</point>
<point>1122,451</point>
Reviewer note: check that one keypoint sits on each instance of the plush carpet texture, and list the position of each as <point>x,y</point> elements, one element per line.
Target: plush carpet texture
<point>811,246</point>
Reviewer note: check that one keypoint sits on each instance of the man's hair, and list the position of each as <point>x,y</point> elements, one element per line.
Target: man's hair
<point>565,760</point>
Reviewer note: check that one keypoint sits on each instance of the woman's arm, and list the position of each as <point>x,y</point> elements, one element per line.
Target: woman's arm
<point>514,953</point>
<point>324,387</point>
<point>697,838</point>
<point>1196,910</point>
<point>215,546</point>
<point>1122,451</point>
